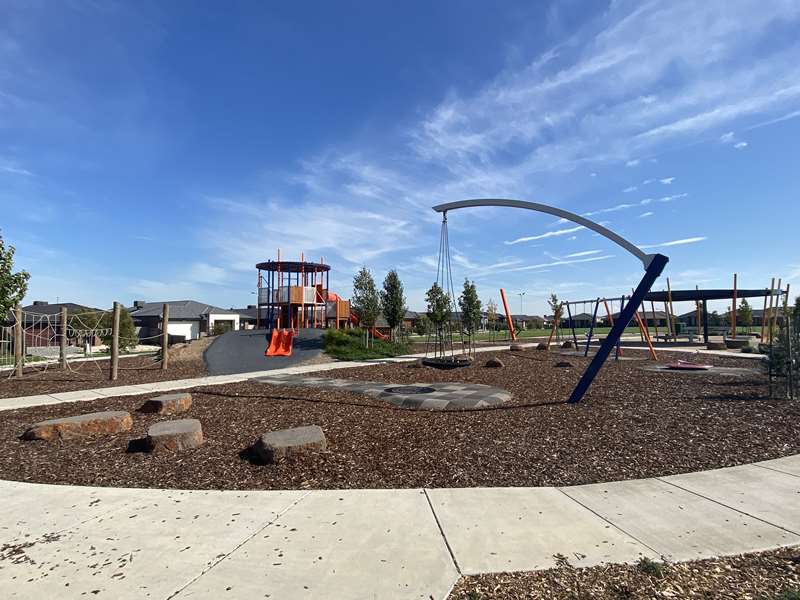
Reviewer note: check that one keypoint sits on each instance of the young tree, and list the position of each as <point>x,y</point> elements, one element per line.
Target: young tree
<point>555,307</point>
<point>365,301</point>
<point>439,310</point>
<point>13,286</point>
<point>745,314</point>
<point>393,302</point>
<point>470,306</point>
<point>491,316</point>
<point>422,325</point>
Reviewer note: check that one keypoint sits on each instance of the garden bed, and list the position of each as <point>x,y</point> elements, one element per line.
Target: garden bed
<point>771,575</point>
<point>633,424</point>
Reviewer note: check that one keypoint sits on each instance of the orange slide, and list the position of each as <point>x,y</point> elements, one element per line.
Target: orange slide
<point>373,331</point>
<point>281,343</point>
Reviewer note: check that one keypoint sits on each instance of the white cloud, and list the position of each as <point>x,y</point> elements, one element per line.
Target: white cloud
<point>648,181</point>
<point>584,253</point>
<point>727,138</point>
<point>562,262</point>
<point>627,190</point>
<point>646,214</point>
<point>632,163</point>
<point>548,234</point>
<point>740,145</point>
<point>667,180</point>
<point>681,242</point>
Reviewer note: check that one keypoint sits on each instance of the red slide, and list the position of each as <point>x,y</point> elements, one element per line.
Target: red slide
<point>373,331</point>
<point>281,343</point>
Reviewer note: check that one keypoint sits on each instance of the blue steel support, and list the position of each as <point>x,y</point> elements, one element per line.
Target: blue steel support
<point>652,272</point>
<point>572,326</point>
<point>591,327</point>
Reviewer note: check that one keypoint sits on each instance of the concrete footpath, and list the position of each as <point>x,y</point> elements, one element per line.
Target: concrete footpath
<point>77,542</point>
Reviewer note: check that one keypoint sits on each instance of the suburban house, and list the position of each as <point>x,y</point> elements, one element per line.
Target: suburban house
<point>651,318</point>
<point>249,317</point>
<point>188,319</point>
<point>581,320</point>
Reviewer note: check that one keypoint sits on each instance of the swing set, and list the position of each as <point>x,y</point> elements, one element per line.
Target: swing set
<point>653,266</point>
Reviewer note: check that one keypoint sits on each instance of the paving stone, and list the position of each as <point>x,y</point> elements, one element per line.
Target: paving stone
<point>274,446</point>
<point>495,363</point>
<point>181,434</point>
<point>168,404</point>
<point>99,423</point>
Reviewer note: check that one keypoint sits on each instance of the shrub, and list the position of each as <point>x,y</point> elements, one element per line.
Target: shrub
<point>651,567</point>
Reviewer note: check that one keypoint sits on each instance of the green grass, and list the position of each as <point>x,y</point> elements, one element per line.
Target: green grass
<point>348,344</point>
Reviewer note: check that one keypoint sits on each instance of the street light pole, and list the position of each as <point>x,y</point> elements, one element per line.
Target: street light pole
<point>521,311</point>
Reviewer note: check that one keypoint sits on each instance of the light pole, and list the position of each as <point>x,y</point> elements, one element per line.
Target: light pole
<point>521,312</point>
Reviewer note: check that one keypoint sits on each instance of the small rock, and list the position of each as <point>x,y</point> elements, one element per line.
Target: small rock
<point>567,344</point>
<point>168,404</point>
<point>563,364</point>
<point>543,346</point>
<point>274,446</point>
<point>181,434</point>
<point>99,423</point>
<point>494,363</point>
<point>517,348</point>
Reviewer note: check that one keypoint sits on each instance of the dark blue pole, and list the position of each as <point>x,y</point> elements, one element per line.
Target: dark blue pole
<point>650,275</point>
<point>572,326</point>
<point>591,327</point>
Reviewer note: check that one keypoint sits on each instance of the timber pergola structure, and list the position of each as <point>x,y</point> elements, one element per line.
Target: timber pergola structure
<point>653,266</point>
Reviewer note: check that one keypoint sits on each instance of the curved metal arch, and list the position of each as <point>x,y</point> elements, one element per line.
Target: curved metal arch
<point>606,233</point>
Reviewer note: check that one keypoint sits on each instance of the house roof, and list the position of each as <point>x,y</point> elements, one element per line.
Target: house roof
<point>186,310</point>
<point>54,309</point>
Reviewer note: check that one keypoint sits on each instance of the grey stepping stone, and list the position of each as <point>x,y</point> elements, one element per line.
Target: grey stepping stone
<point>174,436</point>
<point>66,428</point>
<point>275,446</point>
<point>168,404</point>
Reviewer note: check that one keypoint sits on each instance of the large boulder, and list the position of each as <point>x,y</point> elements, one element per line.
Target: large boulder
<point>66,428</point>
<point>275,446</point>
<point>568,345</point>
<point>517,348</point>
<point>494,363</point>
<point>543,346</point>
<point>168,404</point>
<point>174,436</point>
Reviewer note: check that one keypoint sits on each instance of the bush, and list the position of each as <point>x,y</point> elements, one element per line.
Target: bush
<point>94,320</point>
<point>651,567</point>
<point>347,344</point>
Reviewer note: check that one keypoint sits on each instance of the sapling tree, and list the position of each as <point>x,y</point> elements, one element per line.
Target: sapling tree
<point>745,314</point>
<point>393,301</point>
<point>491,317</point>
<point>470,306</point>
<point>365,301</point>
<point>439,311</point>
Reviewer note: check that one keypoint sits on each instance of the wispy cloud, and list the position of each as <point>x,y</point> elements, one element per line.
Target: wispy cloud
<point>667,180</point>
<point>557,263</point>
<point>542,236</point>
<point>740,145</point>
<point>727,138</point>
<point>681,242</point>
<point>584,253</point>
<point>632,163</point>
<point>646,214</point>
<point>629,189</point>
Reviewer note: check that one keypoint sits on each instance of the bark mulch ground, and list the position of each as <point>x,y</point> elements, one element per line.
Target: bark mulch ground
<point>772,575</point>
<point>632,424</point>
<point>94,374</point>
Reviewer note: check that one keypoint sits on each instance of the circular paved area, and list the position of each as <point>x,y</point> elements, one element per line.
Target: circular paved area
<point>422,396</point>
<point>714,370</point>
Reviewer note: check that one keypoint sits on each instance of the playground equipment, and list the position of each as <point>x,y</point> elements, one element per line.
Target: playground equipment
<point>280,343</point>
<point>653,264</point>
<point>381,336</point>
<point>444,356</point>
<point>295,295</point>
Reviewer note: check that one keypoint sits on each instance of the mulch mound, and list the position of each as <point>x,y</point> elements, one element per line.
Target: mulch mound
<point>632,424</point>
<point>94,374</point>
<point>772,575</point>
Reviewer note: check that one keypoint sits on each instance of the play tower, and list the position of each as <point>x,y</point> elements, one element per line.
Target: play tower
<point>296,296</point>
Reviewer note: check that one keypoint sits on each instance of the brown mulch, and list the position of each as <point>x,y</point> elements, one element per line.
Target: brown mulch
<point>632,424</point>
<point>771,575</point>
<point>95,374</point>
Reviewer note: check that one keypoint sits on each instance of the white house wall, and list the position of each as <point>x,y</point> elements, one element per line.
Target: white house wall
<point>189,329</point>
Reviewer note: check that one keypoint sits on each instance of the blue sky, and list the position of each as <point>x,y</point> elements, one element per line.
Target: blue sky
<point>159,150</point>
